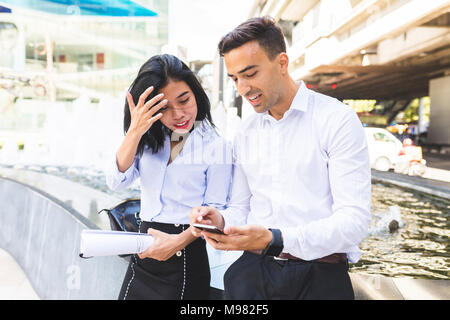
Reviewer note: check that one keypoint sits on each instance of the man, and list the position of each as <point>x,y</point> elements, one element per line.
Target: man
<point>300,198</point>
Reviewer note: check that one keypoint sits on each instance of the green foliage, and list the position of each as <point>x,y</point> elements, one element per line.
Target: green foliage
<point>20,145</point>
<point>411,113</point>
<point>361,105</point>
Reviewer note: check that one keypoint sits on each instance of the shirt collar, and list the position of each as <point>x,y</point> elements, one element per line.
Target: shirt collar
<point>300,101</point>
<point>202,128</point>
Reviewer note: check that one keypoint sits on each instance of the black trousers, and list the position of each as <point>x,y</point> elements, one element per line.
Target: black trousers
<point>183,276</point>
<point>256,277</point>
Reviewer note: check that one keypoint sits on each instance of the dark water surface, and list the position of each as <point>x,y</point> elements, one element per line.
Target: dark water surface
<point>419,248</point>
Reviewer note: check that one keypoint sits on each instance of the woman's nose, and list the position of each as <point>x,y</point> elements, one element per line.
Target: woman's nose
<point>177,113</point>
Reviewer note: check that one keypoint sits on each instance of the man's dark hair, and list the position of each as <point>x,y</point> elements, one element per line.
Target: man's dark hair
<point>262,29</point>
<point>157,72</point>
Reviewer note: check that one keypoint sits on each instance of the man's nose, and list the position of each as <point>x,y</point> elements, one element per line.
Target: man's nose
<point>243,87</point>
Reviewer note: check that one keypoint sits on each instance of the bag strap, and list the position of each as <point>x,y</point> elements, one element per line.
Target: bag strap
<point>138,218</point>
<point>107,210</point>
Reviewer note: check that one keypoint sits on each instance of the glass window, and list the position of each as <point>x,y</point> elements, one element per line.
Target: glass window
<point>379,136</point>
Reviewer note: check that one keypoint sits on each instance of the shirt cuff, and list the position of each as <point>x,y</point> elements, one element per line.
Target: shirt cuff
<point>291,240</point>
<point>122,176</point>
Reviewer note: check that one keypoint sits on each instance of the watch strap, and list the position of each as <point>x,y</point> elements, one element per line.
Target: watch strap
<point>275,247</point>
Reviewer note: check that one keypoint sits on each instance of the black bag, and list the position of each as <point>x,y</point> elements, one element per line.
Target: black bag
<point>125,215</point>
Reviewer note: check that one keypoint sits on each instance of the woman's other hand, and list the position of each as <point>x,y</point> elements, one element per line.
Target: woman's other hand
<point>164,246</point>
<point>205,215</point>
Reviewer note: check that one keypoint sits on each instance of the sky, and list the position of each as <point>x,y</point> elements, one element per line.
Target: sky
<point>198,25</point>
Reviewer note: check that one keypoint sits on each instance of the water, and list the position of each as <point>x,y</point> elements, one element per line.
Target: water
<point>418,249</point>
<point>90,177</point>
<point>74,134</point>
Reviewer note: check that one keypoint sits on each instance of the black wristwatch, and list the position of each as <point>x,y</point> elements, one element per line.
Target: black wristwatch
<point>275,247</point>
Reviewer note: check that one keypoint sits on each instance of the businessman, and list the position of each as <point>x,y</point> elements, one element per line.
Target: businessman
<point>300,198</point>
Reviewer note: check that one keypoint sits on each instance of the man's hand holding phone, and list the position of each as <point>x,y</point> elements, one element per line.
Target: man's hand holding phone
<point>208,228</point>
<point>246,237</point>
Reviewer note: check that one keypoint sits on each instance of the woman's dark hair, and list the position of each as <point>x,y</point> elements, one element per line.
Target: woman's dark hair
<point>262,29</point>
<point>157,72</point>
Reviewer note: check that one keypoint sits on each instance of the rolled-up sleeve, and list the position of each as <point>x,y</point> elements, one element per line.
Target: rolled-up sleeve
<point>350,184</point>
<point>117,180</point>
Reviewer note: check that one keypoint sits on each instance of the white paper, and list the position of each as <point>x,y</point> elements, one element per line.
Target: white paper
<point>109,243</point>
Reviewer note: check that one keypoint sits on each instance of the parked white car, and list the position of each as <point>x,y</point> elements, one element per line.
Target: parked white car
<point>384,148</point>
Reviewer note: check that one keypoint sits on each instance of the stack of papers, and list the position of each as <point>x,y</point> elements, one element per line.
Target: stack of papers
<point>110,243</point>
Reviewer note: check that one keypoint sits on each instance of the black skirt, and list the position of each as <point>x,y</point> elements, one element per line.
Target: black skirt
<point>186,275</point>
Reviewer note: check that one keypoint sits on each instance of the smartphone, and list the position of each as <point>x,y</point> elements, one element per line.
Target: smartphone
<point>206,227</point>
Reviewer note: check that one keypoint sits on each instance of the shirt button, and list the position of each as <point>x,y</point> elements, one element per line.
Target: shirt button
<point>179,253</point>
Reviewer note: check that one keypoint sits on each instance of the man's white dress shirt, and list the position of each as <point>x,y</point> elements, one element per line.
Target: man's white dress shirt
<point>307,174</point>
<point>200,175</point>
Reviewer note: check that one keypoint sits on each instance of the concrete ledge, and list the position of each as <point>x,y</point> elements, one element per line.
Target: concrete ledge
<point>43,237</point>
<point>367,287</point>
<point>433,187</point>
<point>423,289</point>
<point>80,200</point>
<point>376,287</point>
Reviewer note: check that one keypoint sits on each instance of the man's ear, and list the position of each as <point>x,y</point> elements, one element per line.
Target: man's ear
<point>283,61</point>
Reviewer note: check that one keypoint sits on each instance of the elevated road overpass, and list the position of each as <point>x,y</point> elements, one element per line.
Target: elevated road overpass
<point>388,50</point>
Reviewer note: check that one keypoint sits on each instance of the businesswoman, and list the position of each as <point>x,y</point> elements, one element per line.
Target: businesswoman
<point>171,144</point>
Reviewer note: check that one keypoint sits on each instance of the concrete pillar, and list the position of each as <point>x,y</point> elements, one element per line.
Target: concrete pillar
<point>439,130</point>
<point>50,69</point>
<point>421,124</point>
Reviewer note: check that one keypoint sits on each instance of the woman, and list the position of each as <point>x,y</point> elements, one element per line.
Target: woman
<point>172,146</point>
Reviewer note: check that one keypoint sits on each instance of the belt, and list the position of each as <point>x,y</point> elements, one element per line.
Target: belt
<point>332,258</point>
